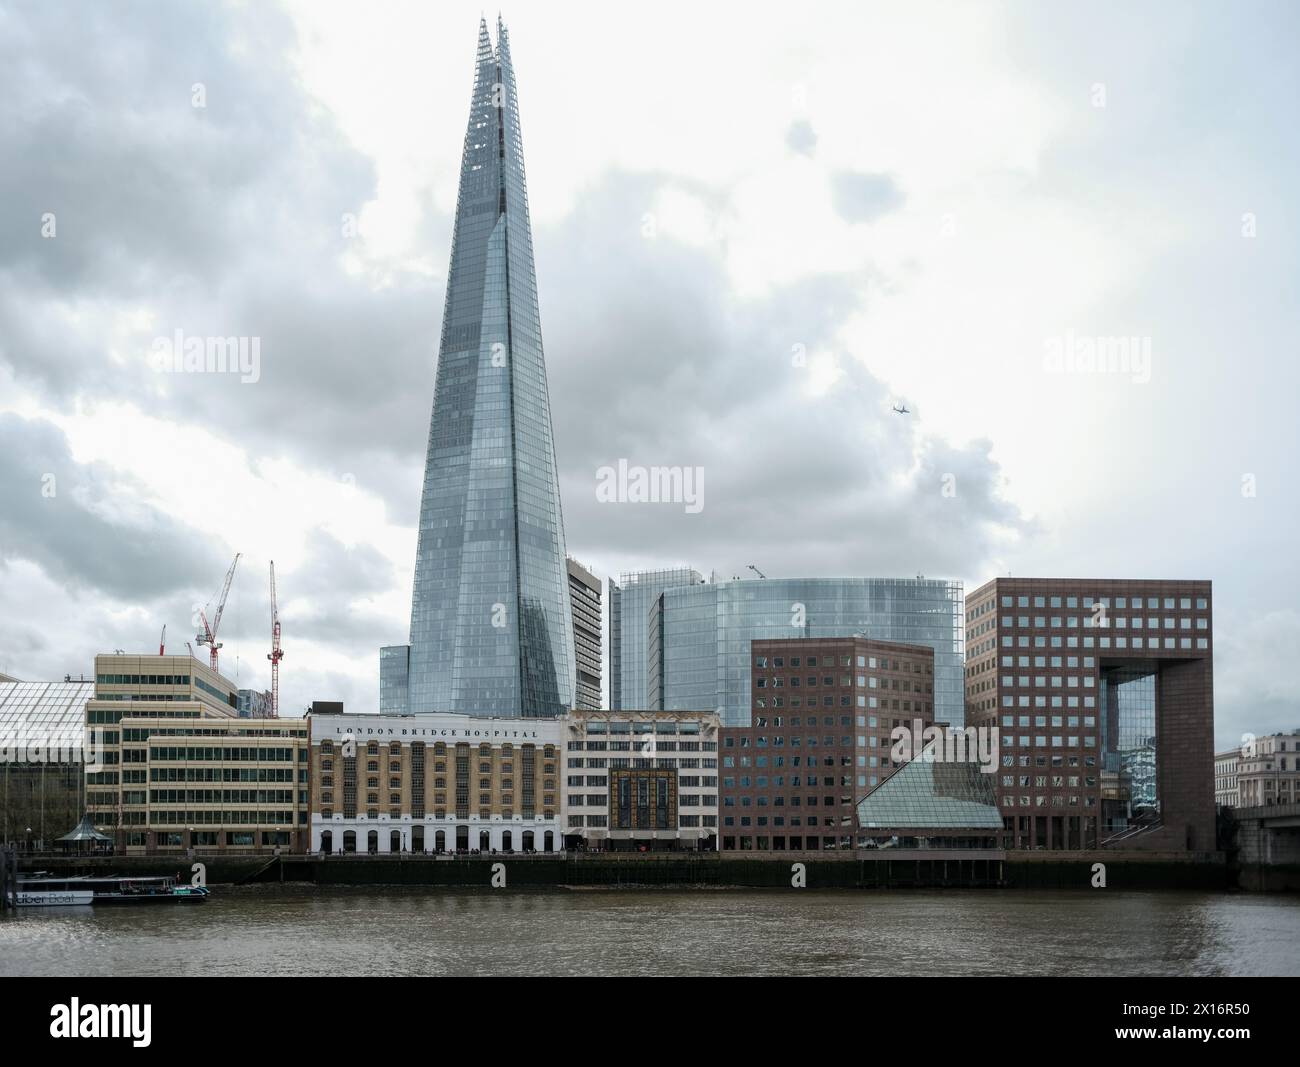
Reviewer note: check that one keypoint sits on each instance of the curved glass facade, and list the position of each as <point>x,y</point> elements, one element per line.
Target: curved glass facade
<point>705,631</point>
<point>491,630</point>
<point>631,600</point>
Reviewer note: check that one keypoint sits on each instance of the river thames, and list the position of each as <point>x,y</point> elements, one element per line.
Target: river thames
<point>284,930</point>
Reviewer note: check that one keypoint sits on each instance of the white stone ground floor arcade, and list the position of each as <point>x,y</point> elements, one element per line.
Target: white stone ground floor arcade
<point>384,835</point>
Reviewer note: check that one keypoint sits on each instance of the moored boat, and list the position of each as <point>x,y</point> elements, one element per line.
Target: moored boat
<point>42,890</point>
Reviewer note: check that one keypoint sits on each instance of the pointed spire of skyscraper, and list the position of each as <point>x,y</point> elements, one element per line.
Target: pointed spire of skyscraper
<point>491,630</point>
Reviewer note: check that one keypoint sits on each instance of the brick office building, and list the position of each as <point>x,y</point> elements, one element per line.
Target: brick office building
<point>1103,694</point>
<point>823,710</point>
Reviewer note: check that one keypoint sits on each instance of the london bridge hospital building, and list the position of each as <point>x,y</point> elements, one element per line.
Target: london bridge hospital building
<point>434,783</point>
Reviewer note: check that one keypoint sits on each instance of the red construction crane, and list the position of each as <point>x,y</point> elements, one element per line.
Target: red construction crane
<point>209,635</point>
<point>162,642</point>
<point>277,653</point>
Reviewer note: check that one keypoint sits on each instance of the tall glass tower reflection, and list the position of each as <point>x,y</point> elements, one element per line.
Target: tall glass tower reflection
<point>491,631</point>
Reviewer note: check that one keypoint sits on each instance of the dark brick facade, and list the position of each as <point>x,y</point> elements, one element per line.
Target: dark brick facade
<point>823,710</point>
<point>1053,663</point>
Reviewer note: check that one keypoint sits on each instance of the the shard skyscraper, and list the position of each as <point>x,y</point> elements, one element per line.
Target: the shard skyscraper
<point>491,630</point>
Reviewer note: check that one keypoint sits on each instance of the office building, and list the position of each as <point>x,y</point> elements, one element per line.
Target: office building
<point>641,780</point>
<point>491,630</point>
<point>1227,767</point>
<point>253,704</point>
<point>697,652</point>
<point>584,602</point>
<point>179,769</point>
<point>630,601</point>
<point>824,711</point>
<point>1269,772</point>
<point>1103,694</point>
<point>434,783</point>
<point>43,759</point>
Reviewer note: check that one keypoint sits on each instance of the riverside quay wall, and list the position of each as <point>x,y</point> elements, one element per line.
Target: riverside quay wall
<point>896,869</point>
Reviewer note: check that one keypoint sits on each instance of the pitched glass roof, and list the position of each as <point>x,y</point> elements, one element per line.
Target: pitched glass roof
<point>44,712</point>
<point>929,794</point>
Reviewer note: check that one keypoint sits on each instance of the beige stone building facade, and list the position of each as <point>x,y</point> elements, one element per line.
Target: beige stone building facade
<point>641,780</point>
<point>178,770</point>
<point>434,784</point>
<point>1269,771</point>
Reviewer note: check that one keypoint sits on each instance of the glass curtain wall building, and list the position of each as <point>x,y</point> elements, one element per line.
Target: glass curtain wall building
<point>630,601</point>
<point>491,630</point>
<point>704,630</point>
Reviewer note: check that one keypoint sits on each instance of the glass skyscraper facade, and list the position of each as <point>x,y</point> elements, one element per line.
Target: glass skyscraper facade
<point>630,601</point>
<point>702,645</point>
<point>491,630</point>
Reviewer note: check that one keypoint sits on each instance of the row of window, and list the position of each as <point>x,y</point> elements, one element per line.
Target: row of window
<point>600,800</point>
<point>780,761</point>
<point>870,662</point>
<point>794,801</point>
<point>762,703</point>
<point>484,813</point>
<point>864,681</point>
<point>1152,603</point>
<point>142,679</point>
<point>641,727</point>
<point>1118,622</point>
<point>645,745</point>
<point>641,763</point>
<point>1184,643</point>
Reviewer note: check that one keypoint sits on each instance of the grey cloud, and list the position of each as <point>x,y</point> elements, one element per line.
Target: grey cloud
<point>801,138</point>
<point>864,197</point>
<point>220,221</point>
<point>652,360</point>
<point>91,530</point>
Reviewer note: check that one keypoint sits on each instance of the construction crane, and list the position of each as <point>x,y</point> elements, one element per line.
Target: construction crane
<point>162,642</point>
<point>191,648</point>
<point>277,653</point>
<point>757,571</point>
<point>209,635</point>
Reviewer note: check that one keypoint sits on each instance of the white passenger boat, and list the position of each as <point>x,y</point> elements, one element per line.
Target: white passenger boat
<point>41,890</point>
<point>38,894</point>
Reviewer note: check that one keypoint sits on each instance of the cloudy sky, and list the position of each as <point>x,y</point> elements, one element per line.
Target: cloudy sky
<point>755,234</point>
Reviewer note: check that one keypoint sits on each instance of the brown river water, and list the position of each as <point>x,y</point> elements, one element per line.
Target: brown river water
<point>299,930</point>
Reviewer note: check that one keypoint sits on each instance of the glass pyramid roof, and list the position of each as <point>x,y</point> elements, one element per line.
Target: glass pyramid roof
<point>930,794</point>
